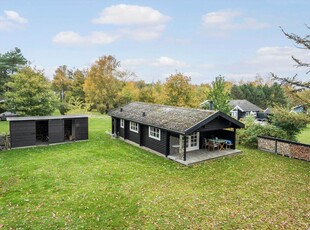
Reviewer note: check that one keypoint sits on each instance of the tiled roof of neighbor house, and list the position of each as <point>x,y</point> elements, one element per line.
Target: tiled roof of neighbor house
<point>245,105</point>
<point>171,118</point>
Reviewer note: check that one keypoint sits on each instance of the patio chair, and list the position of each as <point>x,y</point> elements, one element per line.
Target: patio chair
<point>212,145</point>
<point>205,143</point>
<point>229,144</point>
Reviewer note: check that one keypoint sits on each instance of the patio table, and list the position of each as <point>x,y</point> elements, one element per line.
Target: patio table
<point>220,142</point>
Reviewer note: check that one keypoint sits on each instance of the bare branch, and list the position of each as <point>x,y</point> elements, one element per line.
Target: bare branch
<point>292,81</point>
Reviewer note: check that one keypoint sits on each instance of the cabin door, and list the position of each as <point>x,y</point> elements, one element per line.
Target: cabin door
<point>192,141</point>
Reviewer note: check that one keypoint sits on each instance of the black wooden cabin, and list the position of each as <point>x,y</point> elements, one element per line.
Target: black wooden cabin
<point>31,131</point>
<point>164,128</point>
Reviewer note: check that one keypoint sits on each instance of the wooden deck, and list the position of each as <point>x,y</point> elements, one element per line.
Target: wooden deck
<point>200,155</point>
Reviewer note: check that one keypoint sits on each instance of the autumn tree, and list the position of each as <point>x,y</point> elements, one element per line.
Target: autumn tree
<point>130,92</point>
<point>30,93</point>
<point>219,95</point>
<point>101,85</point>
<point>178,90</point>
<point>297,85</point>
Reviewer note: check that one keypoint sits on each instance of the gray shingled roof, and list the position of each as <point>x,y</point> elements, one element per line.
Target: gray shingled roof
<point>36,118</point>
<point>245,105</point>
<point>172,118</point>
<point>162,116</point>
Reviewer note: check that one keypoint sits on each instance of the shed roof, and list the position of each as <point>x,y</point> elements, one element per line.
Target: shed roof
<point>37,118</point>
<point>172,118</point>
<point>244,105</point>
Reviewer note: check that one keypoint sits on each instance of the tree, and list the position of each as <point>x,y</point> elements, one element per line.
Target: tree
<point>10,62</point>
<point>30,93</point>
<point>77,82</point>
<point>129,92</point>
<point>101,85</point>
<point>219,95</point>
<point>261,95</point>
<point>178,90</point>
<point>61,81</point>
<point>298,85</point>
<point>291,123</point>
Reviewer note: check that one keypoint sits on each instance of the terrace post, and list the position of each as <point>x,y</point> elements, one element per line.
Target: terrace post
<point>184,153</point>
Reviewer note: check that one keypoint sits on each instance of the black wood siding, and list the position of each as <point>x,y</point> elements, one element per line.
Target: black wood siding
<point>159,146</point>
<point>56,131</point>
<point>216,124</point>
<point>22,133</point>
<point>121,130</point>
<point>133,136</point>
<point>81,128</point>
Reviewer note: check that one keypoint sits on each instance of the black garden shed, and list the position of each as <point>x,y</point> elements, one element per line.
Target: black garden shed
<point>30,131</point>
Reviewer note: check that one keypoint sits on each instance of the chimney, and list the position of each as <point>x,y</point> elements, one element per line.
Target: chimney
<point>211,105</point>
<point>143,114</point>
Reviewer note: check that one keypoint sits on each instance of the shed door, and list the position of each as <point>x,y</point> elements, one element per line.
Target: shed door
<point>81,128</point>
<point>23,133</point>
<point>56,131</point>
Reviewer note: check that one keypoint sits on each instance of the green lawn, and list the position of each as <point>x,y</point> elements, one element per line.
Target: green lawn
<point>304,136</point>
<point>4,127</point>
<point>106,183</point>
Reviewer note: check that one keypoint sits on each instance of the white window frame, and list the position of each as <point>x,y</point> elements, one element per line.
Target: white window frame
<point>122,123</point>
<point>153,133</point>
<point>189,142</point>
<point>134,127</point>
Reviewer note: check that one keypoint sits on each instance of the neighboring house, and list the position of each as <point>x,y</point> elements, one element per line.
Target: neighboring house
<point>242,108</point>
<point>164,128</point>
<point>42,130</point>
<point>299,109</point>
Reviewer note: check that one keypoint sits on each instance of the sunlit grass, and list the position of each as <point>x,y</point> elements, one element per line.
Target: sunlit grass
<point>304,136</point>
<point>106,183</point>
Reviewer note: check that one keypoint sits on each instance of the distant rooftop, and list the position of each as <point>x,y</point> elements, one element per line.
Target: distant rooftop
<point>245,105</point>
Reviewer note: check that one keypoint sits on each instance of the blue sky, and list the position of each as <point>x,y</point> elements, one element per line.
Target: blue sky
<point>202,39</point>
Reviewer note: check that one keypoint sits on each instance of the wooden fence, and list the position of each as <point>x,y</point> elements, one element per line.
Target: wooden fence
<point>284,147</point>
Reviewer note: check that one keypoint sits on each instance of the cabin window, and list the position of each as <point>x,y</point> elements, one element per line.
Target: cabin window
<point>134,127</point>
<point>122,123</point>
<point>154,133</point>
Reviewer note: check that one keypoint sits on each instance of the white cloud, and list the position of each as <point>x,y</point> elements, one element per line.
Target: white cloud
<point>143,33</point>
<point>266,60</point>
<point>11,20</point>
<point>169,62</point>
<point>70,37</point>
<point>130,15</point>
<point>131,22</point>
<point>277,58</point>
<point>221,22</point>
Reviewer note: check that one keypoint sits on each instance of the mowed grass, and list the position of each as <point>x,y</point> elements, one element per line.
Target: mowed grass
<point>106,183</point>
<point>304,136</point>
<point>4,127</point>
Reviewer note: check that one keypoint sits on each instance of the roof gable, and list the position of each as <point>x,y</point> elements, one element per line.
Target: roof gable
<point>176,119</point>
